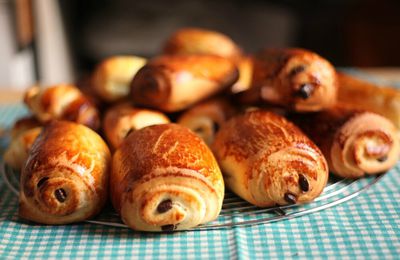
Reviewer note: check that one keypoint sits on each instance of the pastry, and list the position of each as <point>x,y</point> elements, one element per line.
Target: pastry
<point>173,83</point>
<point>65,178</point>
<point>296,79</point>
<point>355,143</point>
<point>18,150</point>
<point>61,102</point>
<point>201,41</point>
<point>165,178</point>
<point>206,118</point>
<point>364,95</point>
<point>121,120</point>
<point>267,160</point>
<point>112,77</point>
<point>23,124</point>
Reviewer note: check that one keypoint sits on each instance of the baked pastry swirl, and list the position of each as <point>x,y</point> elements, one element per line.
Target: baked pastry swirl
<point>165,178</point>
<point>65,178</point>
<point>61,102</point>
<point>355,143</point>
<point>121,120</point>
<point>267,160</point>
<point>206,118</point>
<point>296,79</point>
<point>173,83</point>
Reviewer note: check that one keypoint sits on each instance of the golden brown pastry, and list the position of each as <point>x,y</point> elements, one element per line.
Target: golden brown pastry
<point>296,79</point>
<point>18,150</point>
<point>355,143</point>
<point>65,178</point>
<point>201,41</point>
<point>122,119</point>
<point>61,102</point>
<point>165,178</point>
<point>363,95</point>
<point>206,118</point>
<point>23,124</point>
<point>267,160</point>
<point>173,83</point>
<point>112,76</point>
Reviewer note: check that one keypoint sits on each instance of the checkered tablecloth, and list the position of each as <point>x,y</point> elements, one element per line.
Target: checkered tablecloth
<point>367,226</point>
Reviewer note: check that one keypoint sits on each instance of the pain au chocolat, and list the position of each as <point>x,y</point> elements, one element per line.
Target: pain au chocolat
<point>207,117</point>
<point>368,96</point>
<point>120,120</point>
<point>61,102</point>
<point>355,143</point>
<point>296,79</point>
<point>165,178</point>
<point>112,77</point>
<point>267,160</point>
<point>201,41</point>
<point>174,82</point>
<point>65,178</point>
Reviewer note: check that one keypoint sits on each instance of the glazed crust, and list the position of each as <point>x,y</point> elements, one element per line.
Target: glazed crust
<point>61,102</point>
<point>121,120</point>
<point>296,79</point>
<point>112,76</point>
<point>165,163</point>
<point>173,83</point>
<point>200,41</point>
<point>367,96</point>
<point>66,175</point>
<point>207,117</point>
<point>267,160</point>
<point>355,142</point>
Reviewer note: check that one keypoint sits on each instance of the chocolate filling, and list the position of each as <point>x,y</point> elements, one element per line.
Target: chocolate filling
<point>164,206</point>
<point>305,91</point>
<point>382,159</point>
<point>290,198</point>
<point>303,183</point>
<point>61,194</point>
<point>169,227</point>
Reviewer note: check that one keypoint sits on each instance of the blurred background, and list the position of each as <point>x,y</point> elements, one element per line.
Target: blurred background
<point>54,41</point>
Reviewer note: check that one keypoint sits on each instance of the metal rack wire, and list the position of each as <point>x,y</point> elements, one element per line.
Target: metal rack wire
<point>237,212</point>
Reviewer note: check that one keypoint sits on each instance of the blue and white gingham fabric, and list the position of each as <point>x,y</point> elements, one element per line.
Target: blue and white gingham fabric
<point>367,226</point>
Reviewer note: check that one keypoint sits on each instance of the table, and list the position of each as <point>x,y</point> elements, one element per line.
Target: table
<point>367,226</point>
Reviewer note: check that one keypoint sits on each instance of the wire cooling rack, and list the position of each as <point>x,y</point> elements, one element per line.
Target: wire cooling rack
<point>237,212</point>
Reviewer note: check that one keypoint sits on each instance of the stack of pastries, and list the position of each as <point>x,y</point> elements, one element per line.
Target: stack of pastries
<point>173,131</point>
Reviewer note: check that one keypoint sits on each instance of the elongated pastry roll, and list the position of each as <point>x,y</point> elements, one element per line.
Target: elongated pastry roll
<point>173,83</point>
<point>18,150</point>
<point>364,95</point>
<point>206,118</point>
<point>165,178</point>
<point>201,41</point>
<point>61,102</point>
<point>267,160</point>
<point>65,179</point>
<point>296,79</point>
<point>355,143</point>
<point>121,120</point>
<point>112,76</point>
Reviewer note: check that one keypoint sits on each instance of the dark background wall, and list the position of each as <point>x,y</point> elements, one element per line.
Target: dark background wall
<point>347,32</point>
